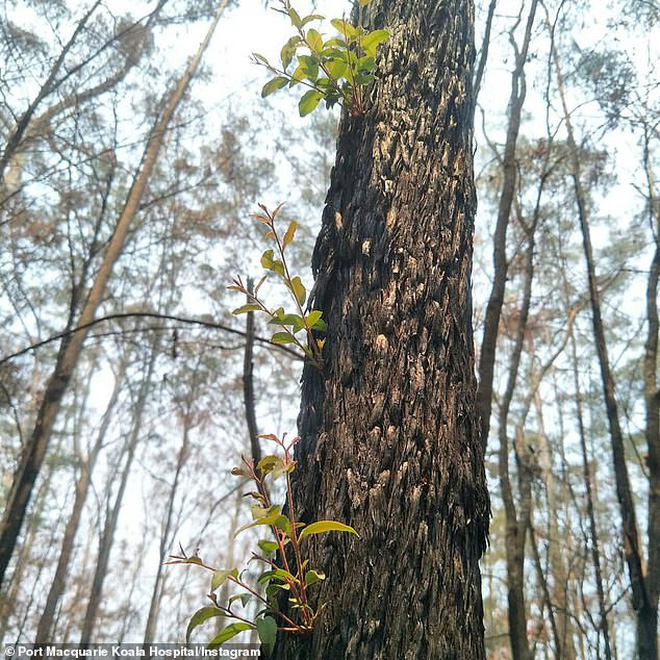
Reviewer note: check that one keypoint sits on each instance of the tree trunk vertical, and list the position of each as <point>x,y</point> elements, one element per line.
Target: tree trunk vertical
<point>45,626</point>
<point>112,514</point>
<point>390,435</point>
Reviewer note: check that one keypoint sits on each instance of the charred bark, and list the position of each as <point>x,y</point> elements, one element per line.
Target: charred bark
<point>390,436</point>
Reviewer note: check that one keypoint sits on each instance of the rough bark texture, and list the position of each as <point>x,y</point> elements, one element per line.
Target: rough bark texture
<point>390,437</point>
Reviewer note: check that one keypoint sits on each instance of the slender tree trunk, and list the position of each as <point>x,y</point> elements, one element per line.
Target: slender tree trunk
<point>556,547</point>
<point>8,602</point>
<point>72,345</point>
<point>165,538</point>
<point>45,626</point>
<point>645,606</point>
<point>652,405</point>
<point>248,384</point>
<point>112,514</point>
<point>509,173</point>
<point>593,529</point>
<point>390,435</point>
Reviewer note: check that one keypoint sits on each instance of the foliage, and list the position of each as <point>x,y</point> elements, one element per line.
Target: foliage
<point>291,324</point>
<point>337,70</point>
<point>286,571</point>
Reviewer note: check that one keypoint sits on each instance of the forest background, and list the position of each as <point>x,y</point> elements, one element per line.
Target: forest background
<point>100,102</point>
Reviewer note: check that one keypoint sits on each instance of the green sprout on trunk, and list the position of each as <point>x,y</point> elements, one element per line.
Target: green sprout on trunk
<point>336,70</point>
<point>282,556</point>
<point>308,325</point>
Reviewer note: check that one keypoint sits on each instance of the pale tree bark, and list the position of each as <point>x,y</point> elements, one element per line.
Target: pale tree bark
<point>166,533</point>
<point>45,626</point>
<point>593,529</point>
<point>557,545</point>
<point>112,511</point>
<point>390,435</point>
<point>71,346</point>
<point>644,592</point>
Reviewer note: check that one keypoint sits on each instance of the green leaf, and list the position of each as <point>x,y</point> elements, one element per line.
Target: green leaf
<point>283,338</point>
<point>295,17</point>
<point>334,44</point>
<point>277,267</point>
<point>309,66</point>
<point>297,76</point>
<point>267,547</point>
<point>270,463</point>
<point>244,598</point>
<point>258,512</point>
<point>323,526</point>
<point>289,50</point>
<point>273,85</point>
<point>283,523</point>
<point>267,259</point>
<point>293,320</point>
<point>250,307</point>
<point>267,630</point>
<point>346,29</point>
<point>299,290</point>
<point>200,617</point>
<point>220,577</point>
<point>312,17</point>
<point>268,520</point>
<point>364,79</point>
<point>290,233</point>
<point>276,574</point>
<point>374,39</point>
<point>366,63</point>
<point>337,69</point>
<point>260,58</point>
<point>315,40</point>
<point>312,577</point>
<point>230,631</point>
<point>313,317</point>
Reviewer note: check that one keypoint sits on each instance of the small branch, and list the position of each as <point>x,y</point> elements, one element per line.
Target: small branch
<point>150,315</point>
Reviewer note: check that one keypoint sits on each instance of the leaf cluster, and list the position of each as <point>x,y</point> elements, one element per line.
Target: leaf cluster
<point>336,70</point>
<point>285,569</point>
<point>289,324</point>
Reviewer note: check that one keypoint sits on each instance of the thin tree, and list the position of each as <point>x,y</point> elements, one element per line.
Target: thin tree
<point>644,581</point>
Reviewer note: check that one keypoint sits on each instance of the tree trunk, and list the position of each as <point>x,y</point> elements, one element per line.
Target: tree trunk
<point>71,347</point>
<point>644,602</point>
<point>45,627</point>
<point>165,538</point>
<point>112,514</point>
<point>510,174</point>
<point>390,435</point>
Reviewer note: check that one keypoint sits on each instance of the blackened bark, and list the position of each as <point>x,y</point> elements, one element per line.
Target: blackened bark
<point>390,436</point>
<point>248,384</point>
